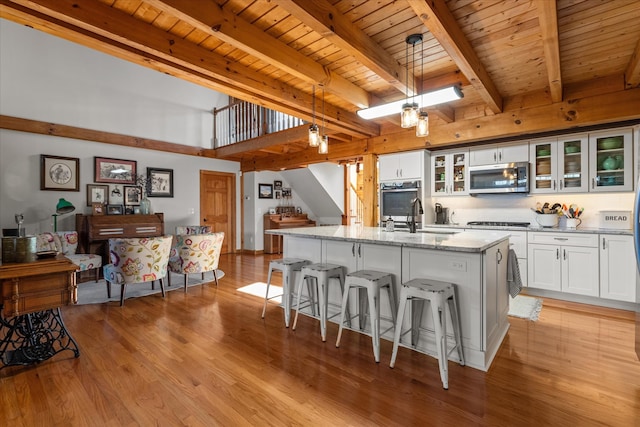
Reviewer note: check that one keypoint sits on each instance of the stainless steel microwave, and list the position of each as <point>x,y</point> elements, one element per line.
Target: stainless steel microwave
<point>500,178</point>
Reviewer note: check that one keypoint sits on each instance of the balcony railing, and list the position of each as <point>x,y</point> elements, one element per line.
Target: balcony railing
<point>241,121</point>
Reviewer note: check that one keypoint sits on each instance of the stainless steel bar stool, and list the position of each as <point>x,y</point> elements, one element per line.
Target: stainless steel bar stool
<point>321,274</point>
<point>370,281</point>
<point>436,293</point>
<point>286,266</point>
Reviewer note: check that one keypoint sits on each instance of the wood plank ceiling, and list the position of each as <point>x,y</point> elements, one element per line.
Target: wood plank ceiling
<point>524,66</point>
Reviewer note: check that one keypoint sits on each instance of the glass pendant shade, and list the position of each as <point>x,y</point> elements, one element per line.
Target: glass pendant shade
<point>314,135</point>
<point>409,115</point>
<point>422,127</point>
<point>323,148</point>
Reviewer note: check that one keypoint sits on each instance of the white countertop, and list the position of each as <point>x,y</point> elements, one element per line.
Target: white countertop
<point>557,229</point>
<point>464,241</point>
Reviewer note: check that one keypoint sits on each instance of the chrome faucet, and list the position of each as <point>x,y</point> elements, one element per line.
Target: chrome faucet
<point>415,203</point>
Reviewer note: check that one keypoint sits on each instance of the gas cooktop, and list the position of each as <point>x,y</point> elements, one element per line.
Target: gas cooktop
<point>499,223</point>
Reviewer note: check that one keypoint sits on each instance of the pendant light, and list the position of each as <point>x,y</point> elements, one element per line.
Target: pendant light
<point>409,114</point>
<point>314,132</point>
<point>422,127</point>
<point>323,148</point>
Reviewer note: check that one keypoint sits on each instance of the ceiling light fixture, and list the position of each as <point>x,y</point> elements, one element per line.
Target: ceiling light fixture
<point>314,132</point>
<point>409,113</point>
<point>428,99</point>
<point>323,148</point>
<point>422,126</point>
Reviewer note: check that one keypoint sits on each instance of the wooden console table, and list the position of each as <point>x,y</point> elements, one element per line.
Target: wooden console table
<point>272,242</point>
<point>31,326</point>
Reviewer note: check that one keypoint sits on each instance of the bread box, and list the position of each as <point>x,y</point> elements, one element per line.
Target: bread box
<point>619,220</point>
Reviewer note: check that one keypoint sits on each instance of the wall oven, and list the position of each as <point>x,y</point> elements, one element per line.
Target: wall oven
<point>500,178</point>
<point>395,202</point>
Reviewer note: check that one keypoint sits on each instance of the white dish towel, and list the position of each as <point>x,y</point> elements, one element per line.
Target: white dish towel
<point>513,274</point>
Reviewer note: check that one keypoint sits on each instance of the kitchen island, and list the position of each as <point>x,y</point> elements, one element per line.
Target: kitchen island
<point>475,261</point>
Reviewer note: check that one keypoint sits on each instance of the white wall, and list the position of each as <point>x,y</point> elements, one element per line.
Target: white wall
<point>49,79</point>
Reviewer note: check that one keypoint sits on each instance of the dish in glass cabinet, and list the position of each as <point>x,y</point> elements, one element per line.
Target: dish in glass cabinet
<point>609,143</point>
<point>570,149</point>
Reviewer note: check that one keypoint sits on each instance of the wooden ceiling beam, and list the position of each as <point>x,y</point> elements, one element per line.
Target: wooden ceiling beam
<point>325,19</point>
<point>225,26</point>
<point>437,17</point>
<point>102,25</point>
<point>337,152</point>
<point>548,18</point>
<point>632,73</point>
<point>64,131</point>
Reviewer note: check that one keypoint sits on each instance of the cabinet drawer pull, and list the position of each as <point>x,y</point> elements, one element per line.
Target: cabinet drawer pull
<point>561,238</point>
<point>604,243</point>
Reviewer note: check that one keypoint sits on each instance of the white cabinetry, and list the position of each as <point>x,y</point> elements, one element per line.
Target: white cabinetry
<point>450,174</point>
<point>503,153</point>
<point>610,160</point>
<point>407,166</point>
<point>564,262</point>
<point>617,268</point>
<point>559,164</point>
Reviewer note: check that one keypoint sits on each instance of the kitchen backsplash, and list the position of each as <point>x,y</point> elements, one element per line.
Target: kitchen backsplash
<point>517,208</point>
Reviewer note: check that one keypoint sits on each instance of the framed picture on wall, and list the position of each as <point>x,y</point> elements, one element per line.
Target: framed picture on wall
<point>161,182</point>
<point>116,194</point>
<point>277,185</point>
<point>59,173</point>
<point>278,194</point>
<point>115,171</point>
<point>132,195</point>
<point>97,194</point>
<point>265,191</point>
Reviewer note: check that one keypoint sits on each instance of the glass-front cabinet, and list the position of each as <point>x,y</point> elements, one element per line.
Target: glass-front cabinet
<point>559,164</point>
<point>610,160</point>
<point>449,173</point>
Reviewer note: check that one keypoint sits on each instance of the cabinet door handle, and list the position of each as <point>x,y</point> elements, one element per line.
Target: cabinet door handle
<point>494,157</point>
<point>499,256</point>
<point>564,254</point>
<point>593,183</point>
<point>359,252</point>
<point>558,253</point>
<point>560,184</point>
<point>353,249</point>
<point>604,243</point>
<point>500,155</point>
<point>554,184</point>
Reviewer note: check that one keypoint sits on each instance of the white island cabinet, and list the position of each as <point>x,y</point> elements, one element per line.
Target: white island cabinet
<point>474,260</point>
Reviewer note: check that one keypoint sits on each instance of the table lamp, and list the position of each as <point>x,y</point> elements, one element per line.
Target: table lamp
<point>63,207</point>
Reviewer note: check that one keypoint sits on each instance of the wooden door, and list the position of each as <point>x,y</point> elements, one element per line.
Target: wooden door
<point>218,205</point>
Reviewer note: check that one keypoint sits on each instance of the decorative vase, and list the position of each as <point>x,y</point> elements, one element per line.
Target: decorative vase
<point>145,206</point>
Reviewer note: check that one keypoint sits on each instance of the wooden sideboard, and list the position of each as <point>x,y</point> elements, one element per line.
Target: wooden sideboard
<point>272,243</point>
<point>96,229</point>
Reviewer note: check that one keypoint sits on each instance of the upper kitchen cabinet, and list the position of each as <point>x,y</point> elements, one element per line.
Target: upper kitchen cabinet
<point>502,153</point>
<point>407,166</point>
<point>450,174</point>
<point>610,160</point>
<point>559,164</point>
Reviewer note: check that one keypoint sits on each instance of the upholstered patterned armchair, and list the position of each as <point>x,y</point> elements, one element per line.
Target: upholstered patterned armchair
<point>196,253</point>
<point>137,260</point>
<point>66,243</point>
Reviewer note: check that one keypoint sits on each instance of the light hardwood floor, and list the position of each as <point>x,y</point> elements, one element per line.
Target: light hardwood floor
<point>207,358</point>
